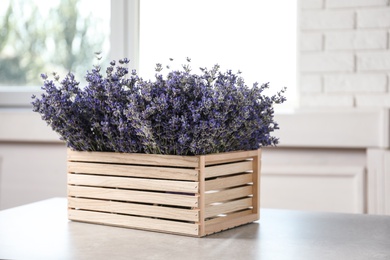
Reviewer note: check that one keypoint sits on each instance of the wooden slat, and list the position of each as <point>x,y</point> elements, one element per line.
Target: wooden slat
<point>133,183</point>
<point>226,169</point>
<point>256,183</point>
<point>202,204</point>
<point>228,194</point>
<point>230,156</point>
<point>229,216</point>
<point>226,182</point>
<point>230,223</point>
<point>134,158</point>
<point>134,171</point>
<point>214,210</point>
<point>135,209</point>
<point>134,196</point>
<point>134,222</point>
<point>140,195</point>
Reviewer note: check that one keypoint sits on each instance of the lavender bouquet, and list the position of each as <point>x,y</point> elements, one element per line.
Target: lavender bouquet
<point>180,114</point>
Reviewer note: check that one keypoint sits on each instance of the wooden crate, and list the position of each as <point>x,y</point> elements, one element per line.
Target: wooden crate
<point>187,195</point>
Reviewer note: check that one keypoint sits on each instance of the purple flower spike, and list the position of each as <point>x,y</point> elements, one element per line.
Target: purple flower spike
<point>182,113</point>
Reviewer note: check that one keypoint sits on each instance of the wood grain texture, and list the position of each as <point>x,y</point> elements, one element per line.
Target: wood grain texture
<point>256,183</point>
<point>226,182</point>
<point>191,195</point>
<point>134,209</point>
<point>134,222</point>
<point>134,196</point>
<point>134,158</point>
<point>134,171</point>
<point>133,183</point>
<point>216,158</point>
<point>228,216</point>
<point>202,202</point>
<point>228,194</point>
<point>231,206</point>
<point>226,169</point>
<point>230,223</point>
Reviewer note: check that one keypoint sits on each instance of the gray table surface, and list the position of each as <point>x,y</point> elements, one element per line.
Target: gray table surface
<point>41,231</point>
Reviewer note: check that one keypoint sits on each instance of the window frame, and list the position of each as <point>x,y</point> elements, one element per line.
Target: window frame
<point>124,42</point>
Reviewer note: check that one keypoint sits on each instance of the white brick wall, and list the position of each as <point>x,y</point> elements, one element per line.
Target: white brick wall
<point>374,61</point>
<point>355,3</point>
<point>373,100</point>
<point>356,40</point>
<point>324,19</point>
<point>311,84</point>
<point>344,56</point>
<point>326,62</point>
<point>355,83</point>
<point>326,100</point>
<point>310,4</point>
<point>311,42</point>
<point>374,18</point>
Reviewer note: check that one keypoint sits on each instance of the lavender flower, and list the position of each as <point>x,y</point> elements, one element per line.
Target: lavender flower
<point>182,113</point>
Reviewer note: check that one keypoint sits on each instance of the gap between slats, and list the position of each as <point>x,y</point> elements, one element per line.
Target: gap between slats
<point>231,206</point>
<point>134,222</point>
<point>133,171</point>
<point>230,181</point>
<point>228,194</point>
<point>228,169</point>
<point>133,183</point>
<point>156,211</point>
<point>182,200</point>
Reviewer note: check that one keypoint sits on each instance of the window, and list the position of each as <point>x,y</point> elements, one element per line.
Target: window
<point>48,36</point>
<point>255,37</point>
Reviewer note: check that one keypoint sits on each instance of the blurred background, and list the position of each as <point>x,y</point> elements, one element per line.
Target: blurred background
<point>332,55</point>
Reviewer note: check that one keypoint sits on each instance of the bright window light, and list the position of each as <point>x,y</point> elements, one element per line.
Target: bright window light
<point>50,36</point>
<point>255,37</point>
